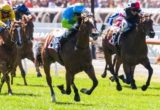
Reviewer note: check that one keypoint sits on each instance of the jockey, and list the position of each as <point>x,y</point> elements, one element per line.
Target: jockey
<point>71,19</point>
<point>126,21</point>
<point>6,16</point>
<point>20,10</point>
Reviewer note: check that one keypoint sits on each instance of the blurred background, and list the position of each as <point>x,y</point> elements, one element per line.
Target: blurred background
<point>98,3</point>
<point>47,17</point>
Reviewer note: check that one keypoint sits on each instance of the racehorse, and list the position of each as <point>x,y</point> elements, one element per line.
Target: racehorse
<point>133,50</point>
<point>75,55</point>
<point>8,54</point>
<point>25,51</point>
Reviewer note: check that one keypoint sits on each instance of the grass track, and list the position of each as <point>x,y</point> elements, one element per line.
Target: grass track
<point>36,96</point>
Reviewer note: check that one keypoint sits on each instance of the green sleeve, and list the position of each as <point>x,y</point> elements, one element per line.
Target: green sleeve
<point>65,24</point>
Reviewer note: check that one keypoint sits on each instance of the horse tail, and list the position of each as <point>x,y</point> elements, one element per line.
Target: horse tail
<point>48,40</point>
<point>158,60</point>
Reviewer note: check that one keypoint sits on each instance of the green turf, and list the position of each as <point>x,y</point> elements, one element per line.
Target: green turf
<point>36,96</point>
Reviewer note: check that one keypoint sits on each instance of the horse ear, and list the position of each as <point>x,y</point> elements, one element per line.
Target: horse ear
<point>150,16</point>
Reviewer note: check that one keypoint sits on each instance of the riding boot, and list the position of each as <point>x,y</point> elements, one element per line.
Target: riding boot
<point>116,38</point>
<point>116,42</point>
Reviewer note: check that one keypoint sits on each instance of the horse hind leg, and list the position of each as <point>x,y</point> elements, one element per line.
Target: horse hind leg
<point>147,65</point>
<point>37,61</point>
<point>90,72</point>
<point>2,82</point>
<point>49,81</point>
<point>111,68</point>
<point>23,73</point>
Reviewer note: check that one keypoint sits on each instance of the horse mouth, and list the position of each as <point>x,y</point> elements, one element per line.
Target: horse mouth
<point>151,34</point>
<point>94,36</point>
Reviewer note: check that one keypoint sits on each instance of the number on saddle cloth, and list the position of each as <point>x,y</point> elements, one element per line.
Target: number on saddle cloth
<point>55,43</point>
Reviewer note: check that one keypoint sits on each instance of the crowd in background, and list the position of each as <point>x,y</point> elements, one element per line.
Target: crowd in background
<point>98,3</point>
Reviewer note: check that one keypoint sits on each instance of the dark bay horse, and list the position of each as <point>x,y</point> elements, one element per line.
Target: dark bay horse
<point>109,50</point>
<point>25,51</point>
<point>8,55</point>
<point>75,55</point>
<point>134,50</point>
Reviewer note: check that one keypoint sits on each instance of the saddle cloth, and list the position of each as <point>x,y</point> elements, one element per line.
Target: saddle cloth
<point>110,34</point>
<point>55,43</point>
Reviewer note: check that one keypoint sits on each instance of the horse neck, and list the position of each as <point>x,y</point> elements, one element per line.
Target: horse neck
<point>83,37</point>
<point>137,37</point>
<point>9,43</point>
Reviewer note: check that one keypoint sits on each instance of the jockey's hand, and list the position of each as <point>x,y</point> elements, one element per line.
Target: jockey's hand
<point>103,27</point>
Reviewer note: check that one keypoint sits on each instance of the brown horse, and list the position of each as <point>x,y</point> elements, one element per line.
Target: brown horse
<point>134,51</point>
<point>75,55</point>
<point>8,55</point>
<point>25,51</point>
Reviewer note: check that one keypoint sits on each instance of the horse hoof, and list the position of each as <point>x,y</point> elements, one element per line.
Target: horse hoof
<point>103,75</point>
<point>68,92</point>
<point>144,88</point>
<point>134,87</point>
<point>25,84</point>
<point>85,91</point>
<point>10,93</point>
<point>53,99</point>
<point>61,88</point>
<point>77,98</point>
<point>112,78</point>
<point>39,75</point>
<point>119,88</point>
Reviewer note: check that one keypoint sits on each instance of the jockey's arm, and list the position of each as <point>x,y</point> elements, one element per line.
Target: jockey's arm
<point>114,16</point>
<point>2,24</point>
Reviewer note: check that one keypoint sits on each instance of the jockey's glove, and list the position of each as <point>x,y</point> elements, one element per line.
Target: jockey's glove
<point>103,27</point>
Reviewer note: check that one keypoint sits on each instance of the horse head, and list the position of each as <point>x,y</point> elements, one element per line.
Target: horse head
<point>146,24</point>
<point>29,27</point>
<point>88,22</point>
<point>17,32</point>
<point>4,36</point>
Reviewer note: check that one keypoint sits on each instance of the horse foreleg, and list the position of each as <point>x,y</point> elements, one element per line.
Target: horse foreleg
<point>49,81</point>
<point>76,97</point>
<point>90,72</point>
<point>129,71</point>
<point>8,84</point>
<point>69,82</point>
<point>2,82</point>
<point>38,70</point>
<point>147,65</point>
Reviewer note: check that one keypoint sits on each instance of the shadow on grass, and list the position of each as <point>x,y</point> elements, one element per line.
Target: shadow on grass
<point>139,87</point>
<point>19,94</point>
<point>31,85</point>
<point>73,103</point>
